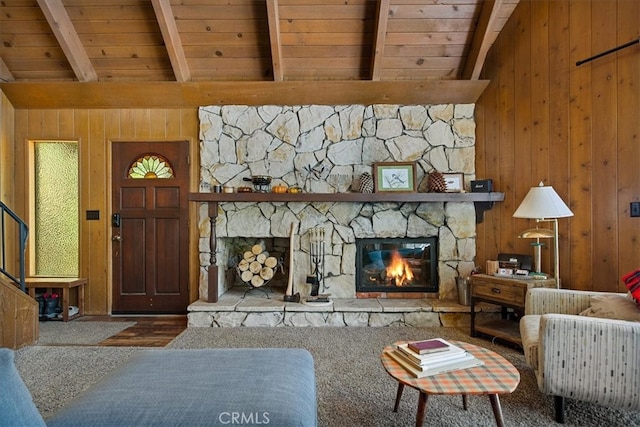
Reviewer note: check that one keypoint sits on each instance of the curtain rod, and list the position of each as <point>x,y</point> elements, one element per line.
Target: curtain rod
<point>632,42</point>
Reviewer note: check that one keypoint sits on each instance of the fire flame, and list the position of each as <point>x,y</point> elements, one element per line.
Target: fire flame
<point>398,270</point>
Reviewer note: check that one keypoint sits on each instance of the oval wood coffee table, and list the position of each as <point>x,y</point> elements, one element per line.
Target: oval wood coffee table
<point>496,376</point>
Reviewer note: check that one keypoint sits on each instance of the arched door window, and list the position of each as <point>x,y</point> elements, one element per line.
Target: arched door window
<point>150,166</point>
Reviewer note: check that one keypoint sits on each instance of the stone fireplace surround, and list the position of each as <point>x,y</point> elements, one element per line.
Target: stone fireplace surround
<point>324,149</point>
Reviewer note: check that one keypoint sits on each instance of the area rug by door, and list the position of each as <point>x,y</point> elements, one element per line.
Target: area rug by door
<point>78,332</point>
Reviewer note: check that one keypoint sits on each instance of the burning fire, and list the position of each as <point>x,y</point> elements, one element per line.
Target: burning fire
<point>398,270</point>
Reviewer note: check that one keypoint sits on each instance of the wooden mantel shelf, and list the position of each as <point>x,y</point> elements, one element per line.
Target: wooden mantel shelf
<point>347,197</point>
<point>483,201</point>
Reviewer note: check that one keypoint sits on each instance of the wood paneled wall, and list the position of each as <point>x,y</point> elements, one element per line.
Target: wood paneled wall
<point>541,118</point>
<point>7,190</point>
<point>576,128</point>
<point>95,129</point>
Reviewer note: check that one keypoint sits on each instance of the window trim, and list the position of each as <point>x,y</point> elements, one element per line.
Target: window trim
<point>31,180</point>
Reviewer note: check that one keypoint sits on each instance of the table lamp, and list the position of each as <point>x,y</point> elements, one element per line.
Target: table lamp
<point>543,204</point>
<point>537,233</point>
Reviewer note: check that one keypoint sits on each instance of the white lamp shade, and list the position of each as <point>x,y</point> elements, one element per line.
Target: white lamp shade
<point>542,202</point>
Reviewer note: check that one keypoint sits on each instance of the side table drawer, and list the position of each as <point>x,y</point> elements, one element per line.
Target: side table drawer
<point>500,292</point>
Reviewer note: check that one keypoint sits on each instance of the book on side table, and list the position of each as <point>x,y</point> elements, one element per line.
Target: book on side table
<point>424,365</point>
<point>429,346</point>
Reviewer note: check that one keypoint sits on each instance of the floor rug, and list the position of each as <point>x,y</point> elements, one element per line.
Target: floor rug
<point>78,332</point>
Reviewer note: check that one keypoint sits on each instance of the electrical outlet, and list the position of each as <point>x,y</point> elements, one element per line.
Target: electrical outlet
<point>635,209</point>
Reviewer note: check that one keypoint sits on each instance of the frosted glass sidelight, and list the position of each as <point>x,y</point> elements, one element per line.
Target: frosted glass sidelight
<point>56,233</point>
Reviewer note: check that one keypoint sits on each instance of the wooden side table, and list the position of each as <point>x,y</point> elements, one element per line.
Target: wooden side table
<point>494,377</point>
<point>507,293</point>
<point>64,284</point>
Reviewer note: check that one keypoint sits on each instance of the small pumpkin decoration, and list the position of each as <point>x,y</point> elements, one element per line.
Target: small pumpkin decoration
<point>279,189</point>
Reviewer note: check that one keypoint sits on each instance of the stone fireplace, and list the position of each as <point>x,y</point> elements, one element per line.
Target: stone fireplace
<point>324,149</point>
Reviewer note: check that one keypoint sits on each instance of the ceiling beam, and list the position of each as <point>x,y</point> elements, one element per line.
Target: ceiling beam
<point>67,37</point>
<point>380,39</point>
<point>195,94</point>
<point>171,37</point>
<point>273,17</point>
<point>5,73</point>
<point>482,40</point>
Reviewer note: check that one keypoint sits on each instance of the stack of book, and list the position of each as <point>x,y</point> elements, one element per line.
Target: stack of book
<point>432,357</point>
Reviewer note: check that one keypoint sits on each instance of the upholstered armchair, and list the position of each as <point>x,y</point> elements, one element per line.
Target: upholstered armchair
<point>581,357</point>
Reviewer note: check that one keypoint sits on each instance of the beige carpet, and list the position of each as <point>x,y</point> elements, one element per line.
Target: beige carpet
<point>352,387</point>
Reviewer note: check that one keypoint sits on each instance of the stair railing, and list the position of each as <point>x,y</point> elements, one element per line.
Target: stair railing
<point>6,213</point>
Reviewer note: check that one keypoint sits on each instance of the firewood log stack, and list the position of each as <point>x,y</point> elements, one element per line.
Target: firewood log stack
<point>256,267</point>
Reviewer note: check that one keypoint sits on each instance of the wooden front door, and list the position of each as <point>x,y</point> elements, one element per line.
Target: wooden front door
<point>149,225</point>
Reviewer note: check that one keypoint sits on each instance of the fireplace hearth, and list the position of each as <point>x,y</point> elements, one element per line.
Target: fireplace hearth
<point>397,265</point>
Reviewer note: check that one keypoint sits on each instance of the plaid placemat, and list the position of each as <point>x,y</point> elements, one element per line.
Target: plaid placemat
<point>496,376</point>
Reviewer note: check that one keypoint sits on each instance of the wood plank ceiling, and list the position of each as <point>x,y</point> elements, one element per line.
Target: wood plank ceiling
<point>246,40</point>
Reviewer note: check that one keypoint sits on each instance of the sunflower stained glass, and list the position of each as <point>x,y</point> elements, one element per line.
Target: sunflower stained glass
<point>151,166</point>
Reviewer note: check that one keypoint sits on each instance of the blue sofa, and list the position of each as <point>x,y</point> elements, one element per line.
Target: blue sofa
<point>261,386</point>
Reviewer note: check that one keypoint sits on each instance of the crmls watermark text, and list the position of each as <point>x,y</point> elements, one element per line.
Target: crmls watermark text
<point>242,418</point>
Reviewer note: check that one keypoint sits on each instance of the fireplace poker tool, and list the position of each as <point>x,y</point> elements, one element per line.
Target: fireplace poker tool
<point>317,258</point>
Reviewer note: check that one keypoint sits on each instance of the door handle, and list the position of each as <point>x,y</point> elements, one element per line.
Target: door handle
<point>116,238</point>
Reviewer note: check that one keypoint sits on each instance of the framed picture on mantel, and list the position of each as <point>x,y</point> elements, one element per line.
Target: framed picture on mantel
<point>454,181</point>
<point>394,176</point>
